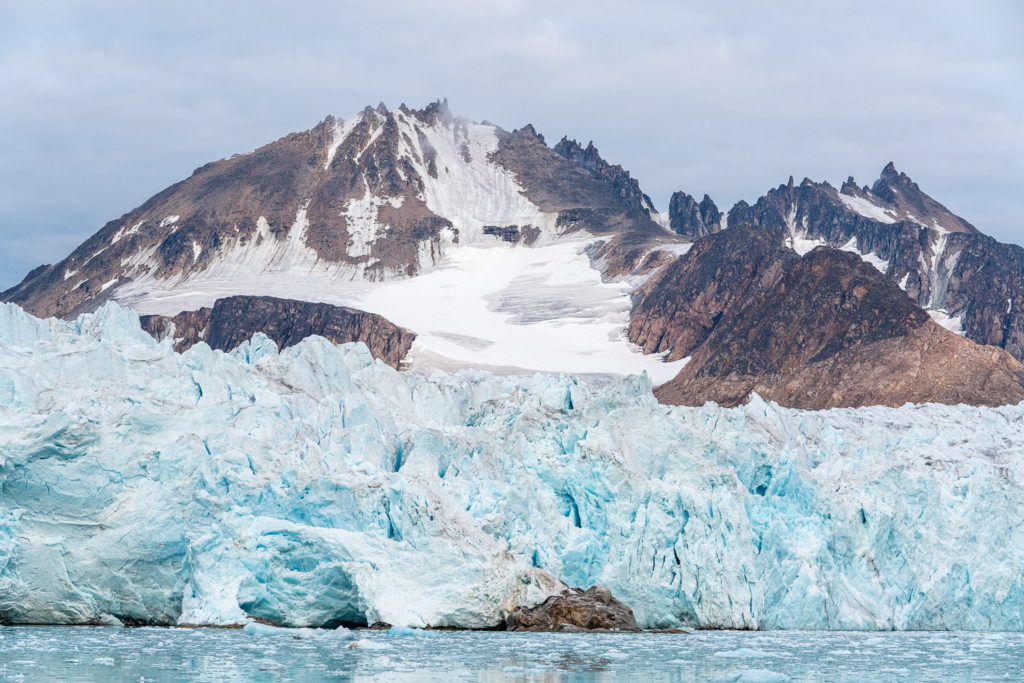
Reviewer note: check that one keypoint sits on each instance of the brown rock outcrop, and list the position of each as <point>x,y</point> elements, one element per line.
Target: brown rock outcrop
<point>823,331</point>
<point>587,193</point>
<point>235,319</point>
<point>684,302</point>
<point>940,260</point>
<point>575,610</point>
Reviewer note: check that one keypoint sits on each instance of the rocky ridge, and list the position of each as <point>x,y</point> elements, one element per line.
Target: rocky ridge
<point>969,282</point>
<point>821,331</point>
<point>687,217</point>
<point>382,195</point>
<point>233,320</point>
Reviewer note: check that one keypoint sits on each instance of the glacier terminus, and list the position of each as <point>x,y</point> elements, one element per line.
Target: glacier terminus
<point>315,486</point>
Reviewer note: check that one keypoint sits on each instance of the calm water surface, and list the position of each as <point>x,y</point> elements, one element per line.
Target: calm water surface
<point>162,655</point>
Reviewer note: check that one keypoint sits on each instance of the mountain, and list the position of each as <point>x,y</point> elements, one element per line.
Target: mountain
<point>383,195</point>
<point>416,215</point>
<point>824,330</point>
<point>443,243</point>
<point>967,281</point>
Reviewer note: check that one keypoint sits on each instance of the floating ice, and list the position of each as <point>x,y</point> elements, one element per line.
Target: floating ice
<point>406,631</point>
<point>742,653</point>
<point>751,676</point>
<point>364,644</point>
<point>317,486</point>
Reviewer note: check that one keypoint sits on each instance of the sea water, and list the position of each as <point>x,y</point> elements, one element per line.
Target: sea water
<point>141,655</point>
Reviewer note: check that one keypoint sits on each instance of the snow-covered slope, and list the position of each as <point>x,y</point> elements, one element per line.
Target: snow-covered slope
<point>316,485</point>
<point>478,240</point>
<point>498,306</point>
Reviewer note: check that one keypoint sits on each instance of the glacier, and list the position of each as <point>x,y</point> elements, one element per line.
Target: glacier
<point>316,486</point>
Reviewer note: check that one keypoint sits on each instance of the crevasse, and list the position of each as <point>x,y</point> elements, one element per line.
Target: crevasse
<point>316,485</point>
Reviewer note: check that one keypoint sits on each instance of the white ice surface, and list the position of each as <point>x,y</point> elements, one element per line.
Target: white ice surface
<point>953,323</point>
<point>865,208</point>
<point>877,261</point>
<point>661,219</point>
<point>477,302</point>
<point>341,130</point>
<point>802,244</point>
<point>485,305</point>
<point>316,485</point>
<point>798,240</point>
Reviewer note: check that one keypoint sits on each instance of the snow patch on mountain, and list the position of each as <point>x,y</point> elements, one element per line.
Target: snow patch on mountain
<point>339,133</point>
<point>470,190</point>
<point>866,208</point>
<point>125,232</point>
<point>954,323</point>
<point>542,308</point>
<point>877,261</point>
<point>363,226</point>
<point>662,219</point>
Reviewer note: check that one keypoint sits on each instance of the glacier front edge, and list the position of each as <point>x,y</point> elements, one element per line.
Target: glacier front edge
<point>316,486</point>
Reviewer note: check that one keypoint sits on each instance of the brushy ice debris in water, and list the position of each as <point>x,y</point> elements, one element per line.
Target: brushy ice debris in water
<point>316,486</point>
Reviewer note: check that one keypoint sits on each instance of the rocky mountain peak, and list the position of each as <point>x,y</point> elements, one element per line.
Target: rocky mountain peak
<point>589,158</point>
<point>820,331</point>
<point>890,181</point>
<point>850,188</point>
<point>528,128</point>
<point>435,112</point>
<point>688,217</point>
<point>574,151</point>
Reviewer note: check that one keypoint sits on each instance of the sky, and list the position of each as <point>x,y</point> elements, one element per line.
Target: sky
<point>108,102</point>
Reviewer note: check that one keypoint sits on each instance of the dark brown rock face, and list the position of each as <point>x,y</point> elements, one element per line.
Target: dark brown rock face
<point>985,284</point>
<point>575,610</point>
<point>833,332</point>
<point>587,193</point>
<point>687,217</point>
<point>188,328</point>
<point>684,302</point>
<point>625,189</point>
<point>235,319</point>
<point>515,234</point>
<point>939,259</point>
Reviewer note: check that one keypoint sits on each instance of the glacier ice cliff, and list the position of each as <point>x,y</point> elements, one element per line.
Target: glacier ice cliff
<point>316,485</point>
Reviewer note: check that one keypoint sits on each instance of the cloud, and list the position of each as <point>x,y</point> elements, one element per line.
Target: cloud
<point>108,102</point>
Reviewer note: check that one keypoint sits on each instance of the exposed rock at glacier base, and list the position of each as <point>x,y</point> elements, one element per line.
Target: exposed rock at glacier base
<point>576,610</point>
<point>314,486</point>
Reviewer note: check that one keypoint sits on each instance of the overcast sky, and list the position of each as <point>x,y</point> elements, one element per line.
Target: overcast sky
<point>104,103</point>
